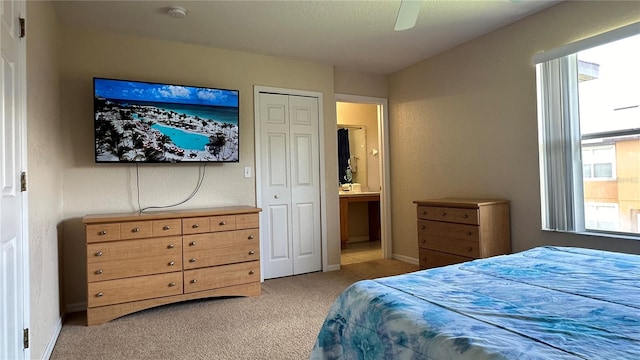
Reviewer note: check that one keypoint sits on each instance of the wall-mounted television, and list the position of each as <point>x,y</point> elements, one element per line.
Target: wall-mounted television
<point>146,122</point>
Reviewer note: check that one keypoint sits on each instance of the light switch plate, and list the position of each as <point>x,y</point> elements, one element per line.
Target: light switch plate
<point>247,171</point>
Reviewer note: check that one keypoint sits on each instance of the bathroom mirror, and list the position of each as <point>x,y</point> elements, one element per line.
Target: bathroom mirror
<point>352,154</point>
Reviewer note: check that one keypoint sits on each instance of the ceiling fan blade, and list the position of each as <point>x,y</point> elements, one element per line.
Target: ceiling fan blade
<point>407,14</point>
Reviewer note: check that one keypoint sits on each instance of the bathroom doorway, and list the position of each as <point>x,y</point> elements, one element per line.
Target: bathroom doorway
<point>364,199</point>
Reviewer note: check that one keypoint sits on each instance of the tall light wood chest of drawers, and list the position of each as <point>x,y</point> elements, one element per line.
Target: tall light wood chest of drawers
<point>456,230</point>
<point>138,261</point>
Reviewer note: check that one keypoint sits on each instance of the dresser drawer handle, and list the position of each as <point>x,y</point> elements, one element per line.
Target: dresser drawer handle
<point>444,213</point>
<point>166,227</point>
<point>424,259</point>
<point>424,213</point>
<point>251,252</point>
<point>223,223</point>
<point>172,284</point>
<point>98,272</point>
<point>469,233</point>
<point>195,226</point>
<point>192,260</point>
<point>103,232</point>
<point>171,263</point>
<point>135,230</point>
<point>170,246</point>
<point>194,281</point>
<point>251,272</point>
<point>250,237</point>
<point>423,227</point>
<point>423,241</point>
<point>99,253</point>
<point>465,216</point>
<point>193,243</point>
<point>99,294</point>
<point>469,249</point>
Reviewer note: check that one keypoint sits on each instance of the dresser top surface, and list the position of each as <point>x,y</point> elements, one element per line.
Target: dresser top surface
<point>169,214</point>
<point>460,202</point>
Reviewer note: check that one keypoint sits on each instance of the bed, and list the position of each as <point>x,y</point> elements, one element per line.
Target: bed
<point>543,303</point>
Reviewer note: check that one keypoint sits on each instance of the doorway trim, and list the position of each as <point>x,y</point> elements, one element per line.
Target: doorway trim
<point>257,89</point>
<point>383,141</point>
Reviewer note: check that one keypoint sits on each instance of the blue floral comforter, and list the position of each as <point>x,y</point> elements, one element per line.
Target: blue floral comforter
<point>544,303</point>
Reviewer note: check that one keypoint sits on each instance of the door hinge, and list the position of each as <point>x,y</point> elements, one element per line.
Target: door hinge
<point>25,338</point>
<point>23,181</point>
<point>22,27</point>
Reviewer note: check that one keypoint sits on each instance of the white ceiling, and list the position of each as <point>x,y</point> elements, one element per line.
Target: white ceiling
<point>352,35</point>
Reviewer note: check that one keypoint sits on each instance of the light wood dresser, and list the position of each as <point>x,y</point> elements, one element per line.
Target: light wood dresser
<point>136,261</point>
<point>451,231</point>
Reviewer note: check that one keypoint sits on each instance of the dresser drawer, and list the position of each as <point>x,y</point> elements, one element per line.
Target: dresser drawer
<point>195,225</point>
<point>449,214</point>
<point>430,259</point>
<point>136,230</point>
<point>167,227</point>
<point>219,256</point>
<point>221,276</point>
<point>460,247</point>
<point>109,270</point>
<point>132,289</point>
<point>450,230</point>
<point>247,221</point>
<point>221,239</point>
<point>103,232</point>
<point>222,223</point>
<point>121,250</point>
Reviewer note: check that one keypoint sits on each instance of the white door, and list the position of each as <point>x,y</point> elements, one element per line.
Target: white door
<point>290,184</point>
<point>12,267</point>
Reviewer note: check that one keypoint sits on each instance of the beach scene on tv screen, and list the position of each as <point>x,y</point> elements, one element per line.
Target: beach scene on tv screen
<point>148,122</point>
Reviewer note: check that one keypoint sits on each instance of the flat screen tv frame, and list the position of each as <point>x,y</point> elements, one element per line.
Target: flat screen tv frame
<point>149,122</point>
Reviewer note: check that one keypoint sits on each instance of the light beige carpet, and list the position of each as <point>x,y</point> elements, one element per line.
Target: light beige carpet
<point>282,323</point>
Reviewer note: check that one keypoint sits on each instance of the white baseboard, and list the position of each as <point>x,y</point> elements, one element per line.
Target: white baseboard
<point>77,307</point>
<point>334,267</point>
<point>52,342</point>
<point>406,259</point>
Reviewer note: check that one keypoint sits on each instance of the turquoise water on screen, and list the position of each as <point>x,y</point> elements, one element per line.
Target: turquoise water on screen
<point>183,139</point>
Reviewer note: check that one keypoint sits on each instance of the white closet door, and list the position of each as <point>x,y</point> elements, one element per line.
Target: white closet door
<point>13,279</point>
<point>305,184</point>
<point>290,227</point>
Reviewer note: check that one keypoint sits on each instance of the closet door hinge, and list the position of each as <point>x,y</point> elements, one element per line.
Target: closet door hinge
<point>22,27</point>
<point>25,338</point>
<point>23,181</point>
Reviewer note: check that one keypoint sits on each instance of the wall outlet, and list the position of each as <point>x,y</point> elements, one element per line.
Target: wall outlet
<point>247,171</point>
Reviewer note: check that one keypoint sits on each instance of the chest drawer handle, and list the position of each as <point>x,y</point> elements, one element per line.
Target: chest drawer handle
<point>99,294</point>
<point>195,226</point>
<point>99,253</point>
<point>465,216</point>
<point>194,281</point>
<point>193,243</point>
<point>424,213</point>
<point>223,223</point>
<point>469,249</point>
<point>444,213</point>
<point>172,284</point>
<point>98,272</point>
<point>468,233</point>
<point>250,237</point>
<point>251,252</point>
<point>170,246</point>
<point>251,272</point>
<point>423,241</point>
<point>171,263</point>
<point>166,227</point>
<point>135,230</point>
<point>423,227</point>
<point>103,232</point>
<point>192,260</point>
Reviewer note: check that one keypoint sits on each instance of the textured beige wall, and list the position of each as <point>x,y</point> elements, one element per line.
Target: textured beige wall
<point>104,188</point>
<point>463,123</point>
<point>359,83</point>
<point>44,157</point>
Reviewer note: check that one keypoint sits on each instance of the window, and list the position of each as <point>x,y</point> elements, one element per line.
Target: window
<point>589,134</point>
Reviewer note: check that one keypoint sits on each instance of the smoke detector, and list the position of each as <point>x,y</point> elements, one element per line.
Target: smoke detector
<point>176,12</point>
